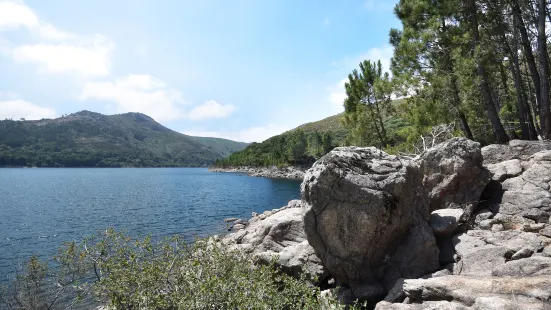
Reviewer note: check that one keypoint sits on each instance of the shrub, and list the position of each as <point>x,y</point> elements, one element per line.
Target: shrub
<point>124,273</point>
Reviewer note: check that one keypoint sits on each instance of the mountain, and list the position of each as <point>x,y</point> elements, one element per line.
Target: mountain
<point>95,140</point>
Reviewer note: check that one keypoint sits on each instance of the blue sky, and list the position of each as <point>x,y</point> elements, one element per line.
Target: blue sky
<point>244,70</point>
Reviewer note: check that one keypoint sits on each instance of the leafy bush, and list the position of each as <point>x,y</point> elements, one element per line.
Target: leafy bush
<point>124,273</point>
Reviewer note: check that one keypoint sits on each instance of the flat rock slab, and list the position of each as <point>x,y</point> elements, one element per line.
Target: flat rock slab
<point>444,222</point>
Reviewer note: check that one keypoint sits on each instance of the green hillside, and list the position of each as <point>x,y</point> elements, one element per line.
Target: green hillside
<point>308,142</point>
<point>94,140</point>
<point>300,146</point>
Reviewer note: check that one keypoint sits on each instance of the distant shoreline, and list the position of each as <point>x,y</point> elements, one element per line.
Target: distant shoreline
<point>290,173</point>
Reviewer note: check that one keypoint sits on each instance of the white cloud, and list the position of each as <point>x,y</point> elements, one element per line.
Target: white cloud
<point>86,60</point>
<point>252,134</point>
<point>49,32</point>
<point>210,109</point>
<point>336,92</point>
<point>15,108</point>
<point>83,55</point>
<point>138,93</point>
<point>384,54</point>
<point>15,14</point>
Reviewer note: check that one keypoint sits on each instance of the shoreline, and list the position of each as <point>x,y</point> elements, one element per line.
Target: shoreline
<point>291,173</point>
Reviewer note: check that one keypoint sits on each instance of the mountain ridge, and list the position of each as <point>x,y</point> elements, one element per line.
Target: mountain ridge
<point>92,139</point>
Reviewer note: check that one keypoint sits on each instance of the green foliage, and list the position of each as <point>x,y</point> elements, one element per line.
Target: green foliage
<point>125,273</point>
<point>296,146</point>
<point>367,104</point>
<point>87,139</point>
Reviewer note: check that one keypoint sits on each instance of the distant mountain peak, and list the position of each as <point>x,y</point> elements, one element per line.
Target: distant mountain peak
<point>85,113</point>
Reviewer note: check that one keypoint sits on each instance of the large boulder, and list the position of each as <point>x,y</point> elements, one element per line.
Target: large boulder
<point>521,198</point>
<point>279,235</point>
<point>515,149</point>
<point>472,291</point>
<point>367,217</point>
<point>453,174</point>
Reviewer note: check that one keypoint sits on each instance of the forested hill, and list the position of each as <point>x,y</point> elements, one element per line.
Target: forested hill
<point>305,144</point>
<point>88,139</point>
<point>300,146</point>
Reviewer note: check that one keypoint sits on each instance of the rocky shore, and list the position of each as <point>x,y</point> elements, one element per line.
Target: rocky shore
<point>295,173</point>
<point>458,227</point>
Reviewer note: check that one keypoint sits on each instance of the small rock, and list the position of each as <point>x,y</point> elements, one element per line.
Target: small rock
<point>238,226</point>
<point>482,215</point>
<point>533,227</point>
<point>546,231</point>
<point>486,224</point>
<point>497,227</point>
<point>254,214</point>
<point>445,221</point>
<point>262,216</point>
<point>522,254</point>
<point>239,221</point>
<point>547,251</point>
<point>230,219</point>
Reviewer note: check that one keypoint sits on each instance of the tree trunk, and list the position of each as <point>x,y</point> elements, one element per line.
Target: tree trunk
<point>380,120</point>
<point>499,131</point>
<point>527,47</point>
<point>521,105</point>
<point>456,99</point>
<point>517,78</point>
<point>545,116</point>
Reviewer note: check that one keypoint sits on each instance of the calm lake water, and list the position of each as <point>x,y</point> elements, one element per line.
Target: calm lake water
<point>41,208</point>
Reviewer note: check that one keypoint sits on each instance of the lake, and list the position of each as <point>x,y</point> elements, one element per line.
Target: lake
<point>41,208</point>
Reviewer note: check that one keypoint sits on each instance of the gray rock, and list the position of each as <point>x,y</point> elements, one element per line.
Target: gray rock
<point>367,217</point>
<point>444,222</point>
<point>439,273</point>
<point>523,253</point>
<point>505,170</point>
<point>280,235</point>
<point>534,227</point>
<point>231,219</point>
<point>500,303</point>
<point>527,195</point>
<point>531,266</point>
<point>516,149</point>
<point>453,174</point>
<point>483,215</point>
<point>238,226</point>
<point>466,290</point>
<point>429,305</point>
<point>476,256</point>
<point>546,231</point>
<point>486,224</point>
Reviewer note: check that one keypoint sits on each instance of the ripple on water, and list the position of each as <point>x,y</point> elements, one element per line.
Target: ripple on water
<point>41,208</point>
